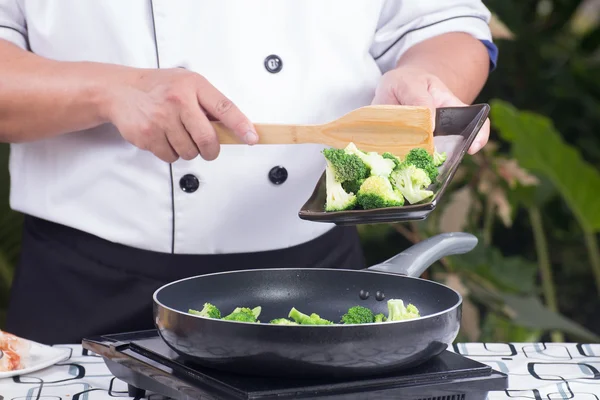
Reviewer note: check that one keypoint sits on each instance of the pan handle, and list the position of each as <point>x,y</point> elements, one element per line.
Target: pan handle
<point>416,259</point>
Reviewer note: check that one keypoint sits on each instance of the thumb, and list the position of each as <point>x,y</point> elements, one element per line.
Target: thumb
<point>406,95</point>
<point>445,98</point>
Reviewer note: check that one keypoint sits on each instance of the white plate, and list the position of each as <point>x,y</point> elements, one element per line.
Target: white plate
<point>40,357</point>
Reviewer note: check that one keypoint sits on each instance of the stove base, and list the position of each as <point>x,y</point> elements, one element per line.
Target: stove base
<point>147,365</point>
<point>401,394</point>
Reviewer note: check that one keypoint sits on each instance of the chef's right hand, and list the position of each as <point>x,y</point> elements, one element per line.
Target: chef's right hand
<point>165,112</point>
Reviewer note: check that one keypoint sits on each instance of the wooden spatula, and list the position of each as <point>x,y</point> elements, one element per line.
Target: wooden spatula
<point>381,128</point>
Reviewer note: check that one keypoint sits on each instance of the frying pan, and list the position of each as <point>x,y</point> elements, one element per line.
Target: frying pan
<point>334,351</point>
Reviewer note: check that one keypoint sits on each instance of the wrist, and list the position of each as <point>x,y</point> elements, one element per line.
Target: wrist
<point>106,92</point>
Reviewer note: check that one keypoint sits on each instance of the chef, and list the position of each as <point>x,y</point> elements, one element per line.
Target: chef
<point>123,184</point>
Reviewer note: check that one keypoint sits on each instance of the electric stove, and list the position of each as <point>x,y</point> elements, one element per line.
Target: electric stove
<point>148,365</point>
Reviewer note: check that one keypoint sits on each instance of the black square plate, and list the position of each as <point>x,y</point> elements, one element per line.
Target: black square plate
<point>455,131</point>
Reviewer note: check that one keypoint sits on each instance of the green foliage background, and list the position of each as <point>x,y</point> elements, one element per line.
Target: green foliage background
<point>531,195</point>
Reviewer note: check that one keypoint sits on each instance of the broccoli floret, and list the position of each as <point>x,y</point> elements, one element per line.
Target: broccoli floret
<point>304,319</point>
<point>378,192</point>
<point>398,312</point>
<point>392,157</point>
<point>439,158</point>
<point>420,158</point>
<point>244,314</point>
<point>358,315</point>
<point>240,317</point>
<point>337,198</point>
<point>254,311</point>
<point>378,165</point>
<point>411,182</point>
<point>283,321</point>
<point>380,318</point>
<point>347,167</point>
<point>209,311</point>
<point>352,186</point>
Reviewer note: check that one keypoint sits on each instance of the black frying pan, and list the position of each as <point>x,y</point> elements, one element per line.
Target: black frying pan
<point>326,350</point>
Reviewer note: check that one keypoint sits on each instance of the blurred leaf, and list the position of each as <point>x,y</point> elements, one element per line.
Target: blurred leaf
<point>379,242</point>
<point>528,311</point>
<point>502,330</point>
<point>470,322</point>
<point>560,15</point>
<point>513,274</point>
<point>502,205</point>
<point>539,147</point>
<point>591,41</point>
<point>513,174</point>
<point>529,196</point>
<point>375,232</point>
<point>455,215</point>
<point>487,181</point>
<point>525,310</point>
<point>499,29</point>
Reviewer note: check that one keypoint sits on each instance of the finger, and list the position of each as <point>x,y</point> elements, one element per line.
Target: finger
<point>181,141</point>
<point>404,92</point>
<point>481,139</point>
<point>201,131</point>
<point>384,94</point>
<point>417,95</point>
<point>223,109</point>
<point>162,149</point>
<point>443,97</point>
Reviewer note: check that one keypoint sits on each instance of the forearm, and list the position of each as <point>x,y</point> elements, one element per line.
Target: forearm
<point>459,60</point>
<point>40,98</point>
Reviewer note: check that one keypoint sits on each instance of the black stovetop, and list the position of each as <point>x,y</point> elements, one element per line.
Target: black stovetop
<point>146,363</point>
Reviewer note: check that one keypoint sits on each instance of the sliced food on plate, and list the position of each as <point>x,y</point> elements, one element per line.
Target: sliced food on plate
<point>14,352</point>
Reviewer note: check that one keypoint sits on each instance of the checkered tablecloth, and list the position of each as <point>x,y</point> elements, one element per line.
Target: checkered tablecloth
<point>536,371</point>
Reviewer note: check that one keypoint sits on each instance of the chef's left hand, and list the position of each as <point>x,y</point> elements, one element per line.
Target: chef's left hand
<point>415,87</point>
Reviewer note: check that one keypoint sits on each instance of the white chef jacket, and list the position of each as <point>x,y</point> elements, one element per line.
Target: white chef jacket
<point>291,62</point>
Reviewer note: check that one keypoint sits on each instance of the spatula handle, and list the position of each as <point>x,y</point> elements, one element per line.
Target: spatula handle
<point>270,134</point>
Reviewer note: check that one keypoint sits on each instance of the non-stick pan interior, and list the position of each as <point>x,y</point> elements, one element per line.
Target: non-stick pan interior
<point>328,293</point>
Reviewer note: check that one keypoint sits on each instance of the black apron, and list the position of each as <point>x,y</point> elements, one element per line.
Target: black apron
<point>70,284</point>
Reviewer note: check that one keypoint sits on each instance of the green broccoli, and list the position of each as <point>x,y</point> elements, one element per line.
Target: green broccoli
<point>244,314</point>
<point>208,311</point>
<point>240,317</point>
<point>392,157</point>
<point>283,321</point>
<point>378,165</point>
<point>378,192</point>
<point>411,182</point>
<point>380,318</point>
<point>347,167</point>
<point>398,312</point>
<point>254,311</point>
<point>358,315</point>
<point>439,158</point>
<point>420,158</point>
<point>304,319</point>
<point>352,186</point>
<point>336,197</point>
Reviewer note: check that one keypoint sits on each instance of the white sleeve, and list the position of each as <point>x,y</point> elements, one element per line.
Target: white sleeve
<point>404,23</point>
<point>12,23</point>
